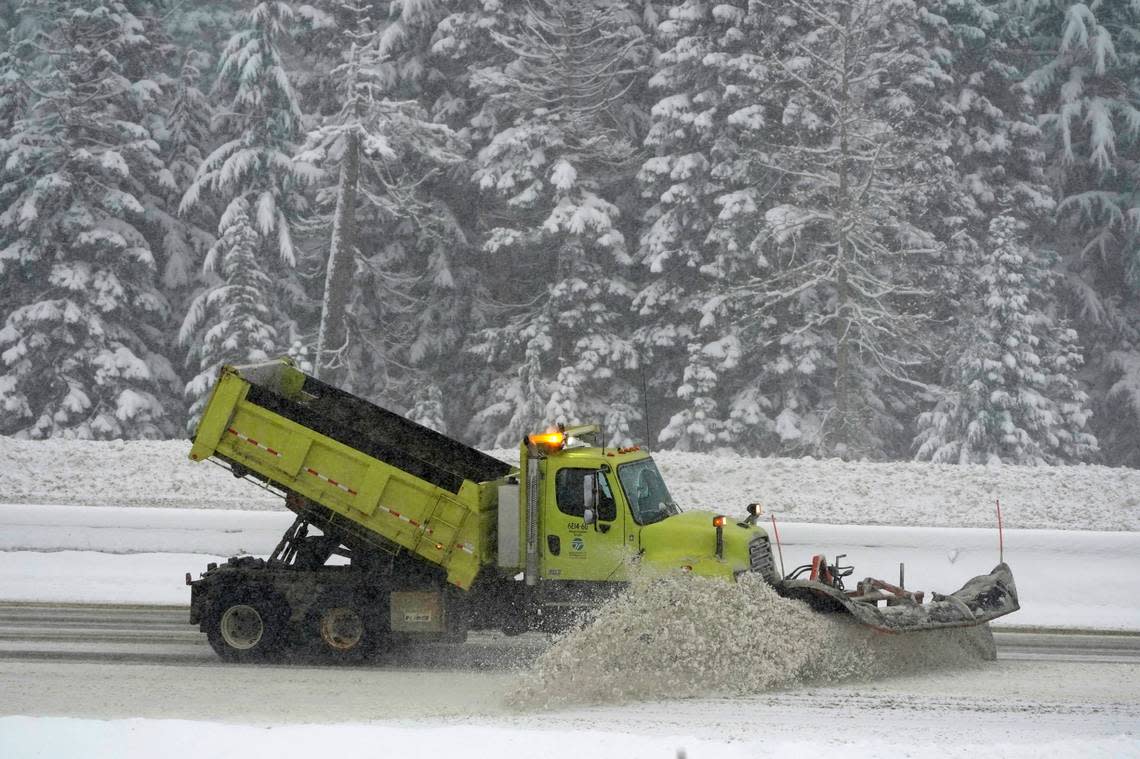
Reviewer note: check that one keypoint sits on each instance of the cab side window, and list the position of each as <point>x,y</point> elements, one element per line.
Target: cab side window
<point>568,487</point>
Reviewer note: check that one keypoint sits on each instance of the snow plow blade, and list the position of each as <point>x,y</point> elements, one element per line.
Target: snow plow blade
<point>984,598</point>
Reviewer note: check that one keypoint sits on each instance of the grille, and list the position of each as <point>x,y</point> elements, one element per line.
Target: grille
<point>760,559</point>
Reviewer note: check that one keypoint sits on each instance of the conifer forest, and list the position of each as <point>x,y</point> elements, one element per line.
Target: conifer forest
<point>867,229</point>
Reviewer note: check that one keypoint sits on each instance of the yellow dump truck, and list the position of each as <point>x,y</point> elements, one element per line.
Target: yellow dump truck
<point>402,532</point>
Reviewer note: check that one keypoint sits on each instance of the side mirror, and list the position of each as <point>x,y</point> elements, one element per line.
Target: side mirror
<point>754,511</point>
<point>589,517</point>
<point>590,493</point>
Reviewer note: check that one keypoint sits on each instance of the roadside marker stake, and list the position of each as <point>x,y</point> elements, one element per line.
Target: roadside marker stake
<point>1001,536</point>
<point>779,547</point>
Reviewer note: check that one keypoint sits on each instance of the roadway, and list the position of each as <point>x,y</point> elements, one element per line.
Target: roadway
<point>160,634</point>
<point>120,662</point>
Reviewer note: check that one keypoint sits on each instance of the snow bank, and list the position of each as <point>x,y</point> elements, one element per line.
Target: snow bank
<point>159,473</point>
<point>930,495</point>
<point>120,473</point>
<point>903,493</point>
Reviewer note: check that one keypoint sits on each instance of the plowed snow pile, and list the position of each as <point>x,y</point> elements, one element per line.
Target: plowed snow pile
<point>689,636</point>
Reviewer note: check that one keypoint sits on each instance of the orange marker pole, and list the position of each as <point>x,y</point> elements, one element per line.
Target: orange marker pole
<point>1001,536</point>
<point>779,547</point>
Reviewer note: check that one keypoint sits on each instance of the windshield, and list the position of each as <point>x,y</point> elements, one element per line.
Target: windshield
<point>648,497</point>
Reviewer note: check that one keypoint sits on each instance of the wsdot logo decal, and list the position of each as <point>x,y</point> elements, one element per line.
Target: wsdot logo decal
<point>577,544</point>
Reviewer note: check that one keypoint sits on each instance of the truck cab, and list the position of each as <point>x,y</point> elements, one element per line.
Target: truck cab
<point>599,514</point>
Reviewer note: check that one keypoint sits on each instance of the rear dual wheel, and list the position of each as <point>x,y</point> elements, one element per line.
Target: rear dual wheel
<point>344,628</point>
<point>247,625</point>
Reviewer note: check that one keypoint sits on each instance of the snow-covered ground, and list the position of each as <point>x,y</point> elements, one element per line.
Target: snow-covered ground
<point>1072,538</point>
<point>140,555</point>
<point>22,738</point>
<point>938,520</point>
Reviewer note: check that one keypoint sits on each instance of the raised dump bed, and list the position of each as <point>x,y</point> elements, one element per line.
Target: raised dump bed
<point>406,485</point>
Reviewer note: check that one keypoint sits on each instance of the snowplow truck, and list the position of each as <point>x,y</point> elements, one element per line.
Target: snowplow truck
<point>402,533</point>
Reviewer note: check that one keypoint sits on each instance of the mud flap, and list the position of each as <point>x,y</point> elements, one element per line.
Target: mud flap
<point>980,600</point>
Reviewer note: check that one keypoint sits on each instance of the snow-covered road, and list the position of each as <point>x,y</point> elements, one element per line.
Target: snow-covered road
<point>1016,709</point>
<point>161,635</point>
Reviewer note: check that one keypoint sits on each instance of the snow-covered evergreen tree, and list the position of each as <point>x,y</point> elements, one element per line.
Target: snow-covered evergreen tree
<point>263,119</point>
<point>230,319</point>
<point>995,139</point>
<point>204,25</point>
<point>13,91</point>
<point>385,154</point>
<point>1089,91</point>
<point>799,161</point>
<point>701,425</point>
<point>995,143</point>
<point>253,176</point>
<point>1013,396</point>
<point>683,321</point>
<point>1117,382</point>
<point>559,160</point>
<point>393,311</point>
<point>186,140</point>
<point>83,318</point>
<point>428,408</point>
<point>784,226</point>
<point>858,167</point>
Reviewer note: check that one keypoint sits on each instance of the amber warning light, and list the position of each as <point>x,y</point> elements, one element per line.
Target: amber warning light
<point>548,439</point>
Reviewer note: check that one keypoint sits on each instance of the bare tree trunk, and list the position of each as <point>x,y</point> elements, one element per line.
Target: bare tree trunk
<point>842,287</point>
<point>842,353</point>
<point>333,334</point>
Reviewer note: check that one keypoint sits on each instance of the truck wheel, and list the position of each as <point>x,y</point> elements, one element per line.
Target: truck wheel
<point>342,628</point>
<point>245,626</point>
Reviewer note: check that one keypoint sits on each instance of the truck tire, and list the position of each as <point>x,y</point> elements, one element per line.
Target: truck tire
<point>247,625</point>
<point>343,628</point>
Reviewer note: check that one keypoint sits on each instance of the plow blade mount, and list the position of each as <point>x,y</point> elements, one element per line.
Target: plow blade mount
<point>983,598</point>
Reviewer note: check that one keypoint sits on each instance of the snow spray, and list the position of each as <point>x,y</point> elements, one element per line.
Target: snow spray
<point>684,636</point>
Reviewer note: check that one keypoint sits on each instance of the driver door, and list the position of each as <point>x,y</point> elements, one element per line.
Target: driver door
<point>571,549</point>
